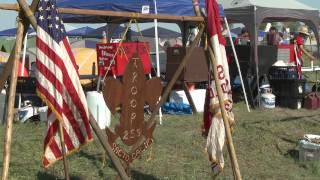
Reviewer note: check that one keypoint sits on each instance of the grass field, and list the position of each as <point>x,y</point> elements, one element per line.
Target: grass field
<point>265,141</point>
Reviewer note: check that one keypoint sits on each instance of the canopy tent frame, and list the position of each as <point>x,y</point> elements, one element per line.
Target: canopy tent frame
<point>150,122</point>
<point>26,18</point>
<point>27,13</point>
<point>252,16</point>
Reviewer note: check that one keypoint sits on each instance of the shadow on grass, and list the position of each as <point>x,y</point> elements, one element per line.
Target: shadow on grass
<point>48,176</point>
<point>299,118</point>
<point>289,119</point>
<point>293,153</point>
<point>278,135</point>
<point>97,161</point>
<point>140,176</point>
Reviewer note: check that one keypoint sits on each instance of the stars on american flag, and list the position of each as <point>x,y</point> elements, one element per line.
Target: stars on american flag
<point>50,20</point>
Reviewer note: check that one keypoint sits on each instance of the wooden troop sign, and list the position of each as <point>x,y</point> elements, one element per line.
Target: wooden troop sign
<point>131,95</point>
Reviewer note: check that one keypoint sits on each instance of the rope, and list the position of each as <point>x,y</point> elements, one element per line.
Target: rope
<point>120,48</point>
<point>120,43</point>
<point>144,43</point>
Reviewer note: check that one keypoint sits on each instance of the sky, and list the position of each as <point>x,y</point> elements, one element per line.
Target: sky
<point>8,17</point>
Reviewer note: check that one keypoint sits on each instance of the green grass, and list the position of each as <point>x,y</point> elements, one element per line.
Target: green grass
<point>265,142</point>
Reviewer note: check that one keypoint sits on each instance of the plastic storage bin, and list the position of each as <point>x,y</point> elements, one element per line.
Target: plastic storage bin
<point>309,147</point>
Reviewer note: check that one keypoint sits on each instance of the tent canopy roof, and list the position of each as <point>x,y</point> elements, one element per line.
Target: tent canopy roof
<point>282,4</point>
<point>82,31</point>
<point>13,32</point>
<point>169,7</point>
<point>253,12</point>
<point>162,33</point>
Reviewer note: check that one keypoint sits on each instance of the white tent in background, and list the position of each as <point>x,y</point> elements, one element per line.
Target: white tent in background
<point>253,12</point>
<point>285,4</point>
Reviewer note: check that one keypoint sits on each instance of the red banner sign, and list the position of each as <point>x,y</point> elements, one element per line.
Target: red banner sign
<point>121,55</point>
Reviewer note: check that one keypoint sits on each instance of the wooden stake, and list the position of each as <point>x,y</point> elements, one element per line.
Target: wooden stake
<point>12,93</point>
<point>189,97</point>
<point>64,152</point>
<point>101,136</point>
<point>104,142</point>
<point>28,13</point>
<point>8,66</point>
<point>7,6</point>
<point>173,81</point>
<point>232,152</point>
<point>12,67</point>
<point>175,76</point>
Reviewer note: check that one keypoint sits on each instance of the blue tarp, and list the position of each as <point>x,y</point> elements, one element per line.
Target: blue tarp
<point>13,32</point>
<point>171,7</point>
<point>83,31</point>
<point>176,108</point>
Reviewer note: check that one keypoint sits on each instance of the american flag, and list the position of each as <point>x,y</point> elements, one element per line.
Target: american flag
<point>216,136</point>
<point>59,86</point>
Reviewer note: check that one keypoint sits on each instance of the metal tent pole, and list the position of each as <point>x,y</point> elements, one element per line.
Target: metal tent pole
<point>237,62</point>
<point>157,49</point>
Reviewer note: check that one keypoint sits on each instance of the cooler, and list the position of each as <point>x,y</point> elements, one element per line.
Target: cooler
<point>286,53</point>
<point>289,90</point>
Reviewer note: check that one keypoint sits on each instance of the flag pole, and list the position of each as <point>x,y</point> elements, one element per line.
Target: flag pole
<point>64,152</point>
<point>8,66</point>
<point>12,92</point>
<point>104,142</point>
<point>176,75</point>
<point>13,68</point>
<point>232,152</point>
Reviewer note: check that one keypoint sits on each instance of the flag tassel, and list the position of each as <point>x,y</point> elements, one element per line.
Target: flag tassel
<point>64,152</point>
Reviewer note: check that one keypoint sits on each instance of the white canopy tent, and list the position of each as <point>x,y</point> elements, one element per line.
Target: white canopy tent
<point>253,12</point>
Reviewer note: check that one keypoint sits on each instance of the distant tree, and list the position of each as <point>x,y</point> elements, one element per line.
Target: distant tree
<point>3,49</point>
<point>294,26</point>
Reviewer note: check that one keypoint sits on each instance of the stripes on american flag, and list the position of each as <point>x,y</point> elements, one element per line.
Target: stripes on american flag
<point>59,86</point>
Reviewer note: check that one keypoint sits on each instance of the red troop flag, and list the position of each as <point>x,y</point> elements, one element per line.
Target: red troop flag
<point>59,86</point>
<point>216,133</point>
